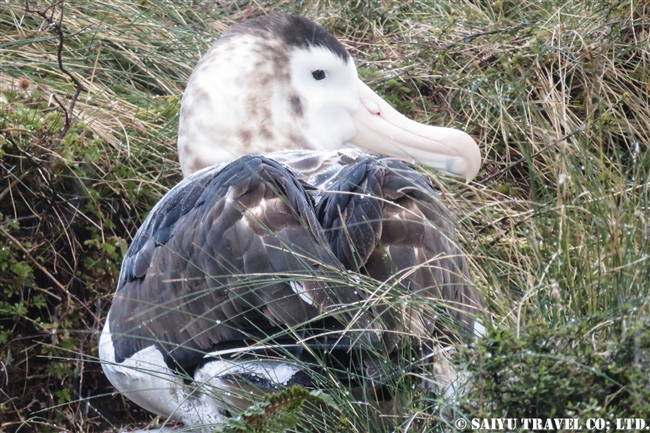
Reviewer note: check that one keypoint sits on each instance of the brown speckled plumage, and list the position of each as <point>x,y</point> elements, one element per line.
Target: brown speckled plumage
<point>212,264</point>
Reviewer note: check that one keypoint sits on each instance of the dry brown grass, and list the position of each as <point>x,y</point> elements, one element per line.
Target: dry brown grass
<point>556,225</point>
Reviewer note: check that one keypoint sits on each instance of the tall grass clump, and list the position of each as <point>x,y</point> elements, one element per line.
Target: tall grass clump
<point>555,226</point>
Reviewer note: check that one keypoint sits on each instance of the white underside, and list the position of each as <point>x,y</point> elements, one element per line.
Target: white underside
<point>146,380</point>
<point>203,403</point>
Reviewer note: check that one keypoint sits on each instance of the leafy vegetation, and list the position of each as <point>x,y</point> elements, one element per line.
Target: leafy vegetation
<point>556,225</point>
<point>277,413</point>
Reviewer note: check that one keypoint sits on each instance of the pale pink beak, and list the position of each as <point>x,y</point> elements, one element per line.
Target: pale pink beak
<point>383,130</point>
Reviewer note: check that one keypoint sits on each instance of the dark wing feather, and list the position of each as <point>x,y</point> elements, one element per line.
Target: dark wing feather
<point>213,262</point>
<point>383,218</point>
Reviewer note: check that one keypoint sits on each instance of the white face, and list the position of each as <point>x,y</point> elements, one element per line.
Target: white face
<point>341,111</point>
<point>329,90</point>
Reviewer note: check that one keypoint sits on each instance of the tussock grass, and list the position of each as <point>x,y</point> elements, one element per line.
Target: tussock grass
<point>555,226</point>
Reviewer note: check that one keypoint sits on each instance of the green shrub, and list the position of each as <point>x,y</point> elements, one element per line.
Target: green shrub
<point>566,371</point>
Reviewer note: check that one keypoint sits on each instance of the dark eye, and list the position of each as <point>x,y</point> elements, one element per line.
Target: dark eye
<point>318,74</point>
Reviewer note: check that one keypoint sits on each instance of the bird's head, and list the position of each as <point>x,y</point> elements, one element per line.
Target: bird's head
<point>282,82</point>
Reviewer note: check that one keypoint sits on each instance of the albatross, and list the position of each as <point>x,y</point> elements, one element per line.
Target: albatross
<point>303,244</point>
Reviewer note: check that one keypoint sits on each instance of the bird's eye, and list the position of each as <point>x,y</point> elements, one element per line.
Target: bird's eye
<point>318,74</point>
